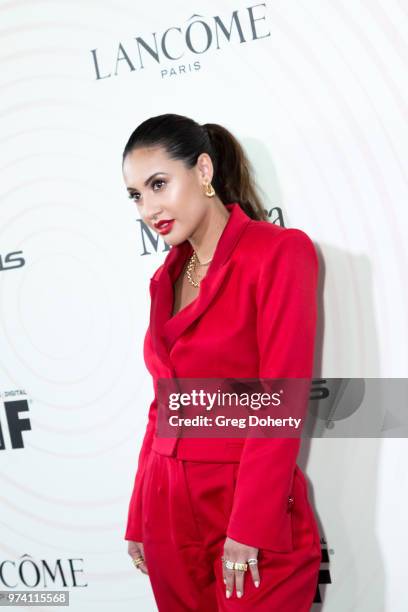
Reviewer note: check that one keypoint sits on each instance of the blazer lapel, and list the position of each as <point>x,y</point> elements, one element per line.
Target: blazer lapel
<point>165,328</point>
<point>161,296</point>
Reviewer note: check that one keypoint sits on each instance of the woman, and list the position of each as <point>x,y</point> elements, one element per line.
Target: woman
<point>220,523</point>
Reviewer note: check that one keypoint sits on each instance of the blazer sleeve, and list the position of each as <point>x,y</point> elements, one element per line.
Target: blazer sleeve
<point>134,525</point>
<point>286,326</point>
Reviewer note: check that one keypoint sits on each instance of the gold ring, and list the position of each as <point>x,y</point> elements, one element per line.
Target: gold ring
<point>228,564</point>
<point>138,561</point>
<point>234,565</point>
<point>241,566</point>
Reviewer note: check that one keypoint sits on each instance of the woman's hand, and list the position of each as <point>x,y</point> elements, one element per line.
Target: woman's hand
<point>135,550</point>
<point>234,551</point>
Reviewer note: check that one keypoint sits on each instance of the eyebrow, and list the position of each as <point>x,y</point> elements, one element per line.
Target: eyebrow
<point>147,181</point>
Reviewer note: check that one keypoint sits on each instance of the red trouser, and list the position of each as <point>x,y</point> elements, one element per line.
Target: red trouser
<point>186,508</point>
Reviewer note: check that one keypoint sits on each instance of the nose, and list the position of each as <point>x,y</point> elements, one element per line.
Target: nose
<point>150,211</point>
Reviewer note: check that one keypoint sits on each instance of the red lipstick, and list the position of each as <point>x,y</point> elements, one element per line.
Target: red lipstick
<point>164,226</point>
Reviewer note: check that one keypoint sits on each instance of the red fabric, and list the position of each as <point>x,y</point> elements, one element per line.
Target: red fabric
<point>187,506</point>
<point>255,316</point>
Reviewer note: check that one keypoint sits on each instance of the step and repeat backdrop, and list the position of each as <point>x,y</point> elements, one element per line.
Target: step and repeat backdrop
<point>316,93</point>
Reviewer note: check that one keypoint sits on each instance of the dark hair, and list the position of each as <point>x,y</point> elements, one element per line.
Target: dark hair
<point>185,139</point>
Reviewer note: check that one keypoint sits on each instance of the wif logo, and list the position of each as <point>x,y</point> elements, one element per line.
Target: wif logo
<point>12,422</point>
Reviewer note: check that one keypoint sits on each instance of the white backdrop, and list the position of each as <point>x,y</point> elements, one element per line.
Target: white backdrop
<point>316,92</point>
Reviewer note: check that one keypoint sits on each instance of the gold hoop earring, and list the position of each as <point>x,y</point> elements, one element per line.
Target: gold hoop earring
<point>209,190</point>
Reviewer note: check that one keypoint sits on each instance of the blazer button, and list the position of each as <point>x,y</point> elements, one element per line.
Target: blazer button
<point>291,501</point>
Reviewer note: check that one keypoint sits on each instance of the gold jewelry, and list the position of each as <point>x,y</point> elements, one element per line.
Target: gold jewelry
<point>209,190</point>
<point>190,269</point>
<point>138,561</point>
<point>240,566</point>
<point>235,565</point>
<point>203,263</point>
<point>191,266</point>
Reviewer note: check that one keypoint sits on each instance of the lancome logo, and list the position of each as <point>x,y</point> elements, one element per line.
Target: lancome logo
<point>197,36</point>
<point>27,571</point>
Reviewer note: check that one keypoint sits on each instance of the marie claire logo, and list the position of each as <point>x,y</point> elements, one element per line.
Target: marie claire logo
<point>197,36</point>
<point>151,239</point>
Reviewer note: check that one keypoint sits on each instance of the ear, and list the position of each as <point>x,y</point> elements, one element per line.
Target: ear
<point>205,168</point>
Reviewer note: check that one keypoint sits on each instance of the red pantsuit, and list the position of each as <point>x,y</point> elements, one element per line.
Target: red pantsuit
<point>255,317</point>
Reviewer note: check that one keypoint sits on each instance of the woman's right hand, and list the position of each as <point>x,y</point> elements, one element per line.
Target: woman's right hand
<point>135,549</point>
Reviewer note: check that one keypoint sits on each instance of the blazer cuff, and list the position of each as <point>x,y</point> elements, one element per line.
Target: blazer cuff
<point>261,514</point>
<point>258,529</point>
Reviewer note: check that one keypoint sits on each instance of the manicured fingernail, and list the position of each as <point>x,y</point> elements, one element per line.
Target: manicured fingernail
<point>239,594</point>
<point>225,582</point>
<point>228,593</point>
<point>256,583</point>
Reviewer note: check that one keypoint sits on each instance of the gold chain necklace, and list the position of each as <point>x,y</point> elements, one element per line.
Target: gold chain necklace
<point>192,264</point>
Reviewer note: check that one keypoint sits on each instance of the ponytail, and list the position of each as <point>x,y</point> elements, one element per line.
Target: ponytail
<point>233,177</point>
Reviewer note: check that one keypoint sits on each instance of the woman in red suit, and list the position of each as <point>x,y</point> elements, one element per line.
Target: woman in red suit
<point>220,523</point>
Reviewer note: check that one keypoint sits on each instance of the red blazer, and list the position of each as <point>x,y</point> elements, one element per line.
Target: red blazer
<point>254,317</point>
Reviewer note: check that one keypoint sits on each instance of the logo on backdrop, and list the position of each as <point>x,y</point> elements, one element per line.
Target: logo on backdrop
<point>194,38</point>
<point>324,572</point>
<point>13,421</point>
<point>150,239</point>
<point>30,572</point>
<point>10,261</point>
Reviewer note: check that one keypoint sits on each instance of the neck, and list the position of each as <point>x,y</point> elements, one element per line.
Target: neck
<point>205,238</point>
